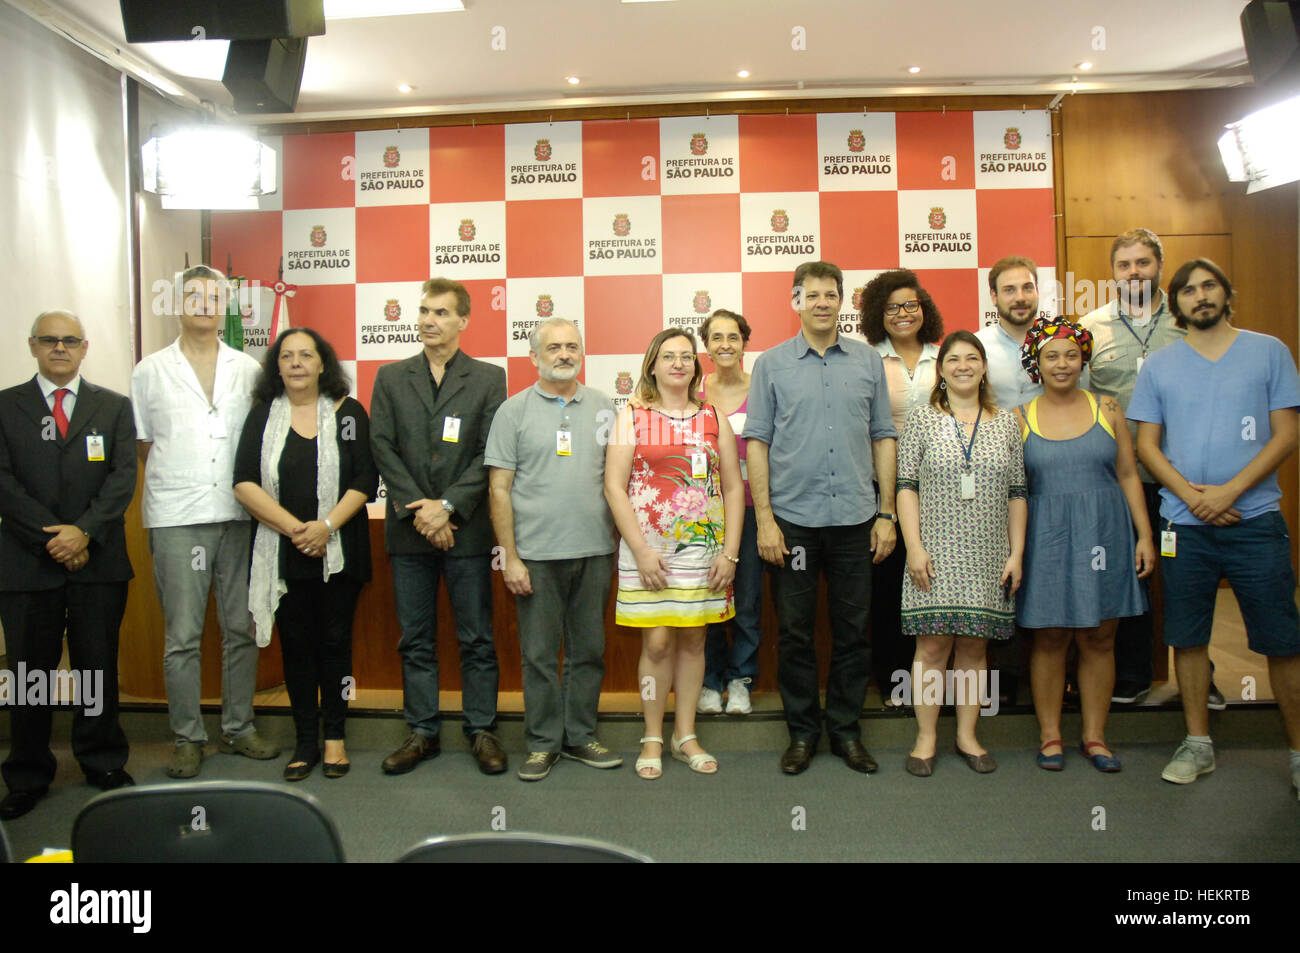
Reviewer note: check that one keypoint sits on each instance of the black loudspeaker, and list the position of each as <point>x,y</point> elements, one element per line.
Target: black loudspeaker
<point>1271,30</point>
<point>147,21</point>
<point>263,75</point>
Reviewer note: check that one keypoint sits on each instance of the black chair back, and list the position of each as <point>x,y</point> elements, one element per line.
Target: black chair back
<point>518,848</point>
<point>205,822</point>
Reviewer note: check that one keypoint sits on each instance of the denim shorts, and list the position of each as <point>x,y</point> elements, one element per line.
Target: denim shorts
<point>1255,557</point>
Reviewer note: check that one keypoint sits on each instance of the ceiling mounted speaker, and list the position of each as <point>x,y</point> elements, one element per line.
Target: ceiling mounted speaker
<point>148,21</point>
<point>1270,28</point>
<point>263,76</point>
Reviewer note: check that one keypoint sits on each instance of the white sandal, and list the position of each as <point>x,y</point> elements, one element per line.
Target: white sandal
<point>656,765</point>
<point>696,762</point>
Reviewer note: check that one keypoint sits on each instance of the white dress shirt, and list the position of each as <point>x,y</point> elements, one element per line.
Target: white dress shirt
<point>48,387</point>
<point>189,474</point>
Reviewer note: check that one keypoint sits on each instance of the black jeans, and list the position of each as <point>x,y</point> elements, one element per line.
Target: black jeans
<point>315,620</point>
<point>1135,635</point>
<point>891,651</point>
<point>844,554</point>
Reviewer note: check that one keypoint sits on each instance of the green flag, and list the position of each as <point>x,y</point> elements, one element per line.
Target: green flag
<point>234,319</point>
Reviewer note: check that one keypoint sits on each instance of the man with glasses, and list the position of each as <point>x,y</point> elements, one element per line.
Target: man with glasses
<point>190,400</point>
<point>820,430</point>
<point>67,475</point>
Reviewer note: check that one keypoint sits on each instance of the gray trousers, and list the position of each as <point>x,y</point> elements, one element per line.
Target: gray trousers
<point>566,610</point>
<point>187,560</point>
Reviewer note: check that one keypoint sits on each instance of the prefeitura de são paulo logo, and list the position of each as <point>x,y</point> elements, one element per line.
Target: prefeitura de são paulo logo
<point>699,144</point>
<point>392,157</point>
<point>392,310</point>
<point>780,220</point>
<point>545,306</point>
<point>542,151</point>
<point>857,141</point>
<point>623,383</point>
<point>857,298</point>
<point>1012,138</point>
<point>467,231</point>
<point>317,236</point>
<point>702,302</point>
<point>622,225</point>
<point>937,218</point>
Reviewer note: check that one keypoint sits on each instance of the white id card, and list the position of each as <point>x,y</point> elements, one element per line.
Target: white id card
<point>563,443</point>
<point>95,448</point>
<point>216,427</point>
<point>968,486</point>
<point>1169,543</point>
<point>451,429</point>
<point>699,465</point>
<point>1139,364</point>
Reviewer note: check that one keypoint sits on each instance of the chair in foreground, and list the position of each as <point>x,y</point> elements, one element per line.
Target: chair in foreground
<point>518,849</point>
<point>205,822</point>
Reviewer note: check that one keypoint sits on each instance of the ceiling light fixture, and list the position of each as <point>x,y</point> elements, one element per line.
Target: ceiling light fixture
<point>361,9</point>
<point>404,87</point>
<point>743,73</point>
<point>1261,149</point>
<point>572,80</point>
<point>1086,64</point>
<point>914,69</point>
<point>208,167</point>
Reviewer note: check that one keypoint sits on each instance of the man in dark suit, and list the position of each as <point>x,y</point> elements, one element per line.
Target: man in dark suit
<point>429,421</point>
<point>67,475</point>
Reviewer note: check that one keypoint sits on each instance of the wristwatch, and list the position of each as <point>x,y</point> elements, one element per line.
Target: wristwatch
<point>446,505</point>
<point>887,516</point>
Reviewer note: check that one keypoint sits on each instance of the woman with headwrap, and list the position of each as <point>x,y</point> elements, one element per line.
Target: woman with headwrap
<point>1081,565</point>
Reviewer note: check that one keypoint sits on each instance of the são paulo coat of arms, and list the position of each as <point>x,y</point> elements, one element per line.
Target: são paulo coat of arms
<point>545,306</point>
<point>857,298</point>
<point>467,231</point>
<point>857,141</point>
<point>699,144</point>
<point>392,157</point>
<point>317,236</point>
<point>623,383</point>
<point>542,151</point>
<point>392,310</point>
<point>937,217</point>
<point>1012,138</point>
<point>622,225</point>
<point>702,302</point>
<point>780,220</point>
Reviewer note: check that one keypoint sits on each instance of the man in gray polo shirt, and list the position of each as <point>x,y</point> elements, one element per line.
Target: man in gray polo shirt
<point>820,430</point>
<point>546,454</point>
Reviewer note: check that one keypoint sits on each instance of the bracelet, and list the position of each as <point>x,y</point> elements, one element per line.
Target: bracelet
<point>735,560</point>
<point>330,526</point>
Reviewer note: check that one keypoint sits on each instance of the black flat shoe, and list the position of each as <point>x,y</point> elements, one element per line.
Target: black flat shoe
<point>110,780</point>
<point>18,803</point>
<point>979,763</point>
<point>335,769</point>
<point>920,767</point>
<point>301,765</point>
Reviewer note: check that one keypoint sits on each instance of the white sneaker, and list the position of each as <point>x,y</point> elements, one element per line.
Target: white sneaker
<point>710,702</point>
<point>738,697</point>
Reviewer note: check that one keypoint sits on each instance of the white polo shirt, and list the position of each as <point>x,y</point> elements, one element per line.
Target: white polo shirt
<point>189,474</point>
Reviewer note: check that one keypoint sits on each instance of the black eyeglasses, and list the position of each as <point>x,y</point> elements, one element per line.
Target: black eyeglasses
<point>68,341</point>
<point>911,307</point>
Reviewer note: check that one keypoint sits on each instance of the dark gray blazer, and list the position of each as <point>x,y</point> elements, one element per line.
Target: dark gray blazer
<point>46,482</point>
<point>406,428</point>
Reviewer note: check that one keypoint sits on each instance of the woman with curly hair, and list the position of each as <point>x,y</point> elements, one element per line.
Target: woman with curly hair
<point>672,480</point>
<point>900,319</point>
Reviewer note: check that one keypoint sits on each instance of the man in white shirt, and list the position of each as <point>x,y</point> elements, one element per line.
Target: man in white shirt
<point>190,401</point>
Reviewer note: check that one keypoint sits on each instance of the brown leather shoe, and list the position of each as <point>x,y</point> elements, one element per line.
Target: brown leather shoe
<point>855,755</point>
<point>488,752</point>
<point>798,756</point>
<point>414,749</point>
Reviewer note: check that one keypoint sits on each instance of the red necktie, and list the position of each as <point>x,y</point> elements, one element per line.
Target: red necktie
<point>60,418</point>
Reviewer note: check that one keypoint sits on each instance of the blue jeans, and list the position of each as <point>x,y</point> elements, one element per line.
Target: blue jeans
<point>469,586</point>
<point>722,665</point>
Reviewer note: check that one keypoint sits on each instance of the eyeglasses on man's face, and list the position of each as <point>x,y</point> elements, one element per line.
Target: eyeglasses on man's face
<point>68,340</point>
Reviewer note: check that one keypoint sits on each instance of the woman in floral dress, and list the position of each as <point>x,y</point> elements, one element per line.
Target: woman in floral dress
<point>672,479</point>
<point>961,506</point>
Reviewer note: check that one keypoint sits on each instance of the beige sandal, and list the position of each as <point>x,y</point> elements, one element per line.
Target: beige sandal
<point>696,762</point>
<point>656,765</point>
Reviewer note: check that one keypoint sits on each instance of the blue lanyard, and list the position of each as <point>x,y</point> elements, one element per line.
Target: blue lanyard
<point>966,448</point>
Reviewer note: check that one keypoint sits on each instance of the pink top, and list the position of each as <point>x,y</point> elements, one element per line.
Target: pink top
<point>737,420</point>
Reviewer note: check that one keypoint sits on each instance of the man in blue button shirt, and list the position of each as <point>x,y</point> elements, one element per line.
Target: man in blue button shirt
<point>819,431</point>
<point>1216,417</point>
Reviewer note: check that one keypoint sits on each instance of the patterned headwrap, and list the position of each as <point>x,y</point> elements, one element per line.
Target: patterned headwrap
<point>1049,329</point>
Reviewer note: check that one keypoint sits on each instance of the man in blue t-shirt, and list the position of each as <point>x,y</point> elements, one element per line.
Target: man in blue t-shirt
<point>1217,415</point>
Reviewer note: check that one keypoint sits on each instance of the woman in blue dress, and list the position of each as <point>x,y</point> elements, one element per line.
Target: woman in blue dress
<point>1082,568</point>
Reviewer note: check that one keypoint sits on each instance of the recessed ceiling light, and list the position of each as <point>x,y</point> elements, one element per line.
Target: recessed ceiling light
<point>359,9</point>
<point>1086,64</point>
<point>914,69</point>
<point>572,80</point>
<point>743,73</point>
<point>404,87</point>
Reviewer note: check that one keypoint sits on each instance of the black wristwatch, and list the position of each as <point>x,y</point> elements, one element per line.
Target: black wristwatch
<point>887,516</point>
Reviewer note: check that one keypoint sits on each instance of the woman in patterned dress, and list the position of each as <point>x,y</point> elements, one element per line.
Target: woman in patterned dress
<point>961,506</point>
<point>672,479</point>
<point>1082,564</point>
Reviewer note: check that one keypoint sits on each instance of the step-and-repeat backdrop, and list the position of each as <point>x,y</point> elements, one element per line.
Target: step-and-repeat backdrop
<point>628,227</point>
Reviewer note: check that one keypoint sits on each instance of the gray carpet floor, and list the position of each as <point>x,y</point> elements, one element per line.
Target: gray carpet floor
<point>749,812</point>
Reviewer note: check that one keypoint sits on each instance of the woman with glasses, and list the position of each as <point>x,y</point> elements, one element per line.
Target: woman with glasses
<point>901,320</point>
<point>672,480</point>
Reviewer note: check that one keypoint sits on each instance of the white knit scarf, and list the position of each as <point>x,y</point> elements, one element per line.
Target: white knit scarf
<point>265,587</point>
